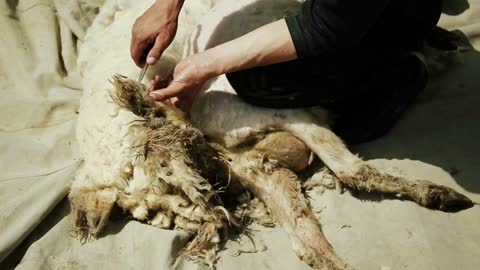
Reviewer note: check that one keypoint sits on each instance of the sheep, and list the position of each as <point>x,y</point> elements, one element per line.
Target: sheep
<point>170,169</point>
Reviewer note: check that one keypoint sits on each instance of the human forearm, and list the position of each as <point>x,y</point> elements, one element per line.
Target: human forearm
<point>169,7</point>
<point>266,45</point>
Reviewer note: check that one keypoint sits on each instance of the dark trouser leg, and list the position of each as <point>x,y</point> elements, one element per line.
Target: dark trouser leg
<point>372,115</point>
<point>367,106</point>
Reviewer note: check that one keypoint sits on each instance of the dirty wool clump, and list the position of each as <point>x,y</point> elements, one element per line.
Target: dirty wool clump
<point>176,157</point>
<point>174,180</point>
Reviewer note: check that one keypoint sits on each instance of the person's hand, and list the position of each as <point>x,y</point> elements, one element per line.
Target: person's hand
<point>153,32</point>
<point>267,45</point>
<point>182,87</point>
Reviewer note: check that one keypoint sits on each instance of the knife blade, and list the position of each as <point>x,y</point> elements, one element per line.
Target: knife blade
<point>142,73</point>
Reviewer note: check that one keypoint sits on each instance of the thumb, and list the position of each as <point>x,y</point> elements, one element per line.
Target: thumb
<point>156,51</point>
<point>173,90</point>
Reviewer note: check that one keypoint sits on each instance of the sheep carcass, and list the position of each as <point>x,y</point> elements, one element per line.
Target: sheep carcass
<point>168,170</point>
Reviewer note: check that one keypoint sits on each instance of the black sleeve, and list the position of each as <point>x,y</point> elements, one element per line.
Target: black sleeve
<point>330,26</point>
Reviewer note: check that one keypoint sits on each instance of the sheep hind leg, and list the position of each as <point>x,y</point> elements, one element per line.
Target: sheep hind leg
<point>423,192</point>
<point>266,170</point>
<point>354,172</point>
<point>327,146</point>
<point>280,190</point>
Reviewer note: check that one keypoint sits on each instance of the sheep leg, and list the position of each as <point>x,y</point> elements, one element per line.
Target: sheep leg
<point>280,190</point>
<point>354,172</point>
<point>328,146</point>
<point>91,209</point>
<point>423,192</point>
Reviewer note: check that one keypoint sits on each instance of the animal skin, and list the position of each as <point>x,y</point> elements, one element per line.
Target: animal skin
<point>165,168</point>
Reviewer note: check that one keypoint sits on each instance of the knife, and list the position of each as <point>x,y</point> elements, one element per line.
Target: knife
<point>142,73</point>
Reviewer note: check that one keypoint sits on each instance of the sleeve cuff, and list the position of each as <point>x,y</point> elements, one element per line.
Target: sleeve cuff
<point>295,29</point>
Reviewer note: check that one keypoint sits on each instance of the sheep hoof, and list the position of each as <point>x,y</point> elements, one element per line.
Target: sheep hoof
<point>91,210</point>
<point>446,199</point>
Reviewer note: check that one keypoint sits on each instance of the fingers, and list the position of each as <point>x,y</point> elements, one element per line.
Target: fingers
<point>158,83</point>
<point>169,94</point>
<point>173,90</point>
<point>157,50</point>
<point>181,104</point>
<point>137,51</point>
<point>139,48</point>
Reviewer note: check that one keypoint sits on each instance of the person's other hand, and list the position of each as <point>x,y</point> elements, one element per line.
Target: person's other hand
<point>153,32</point>
<point>182,87</point>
